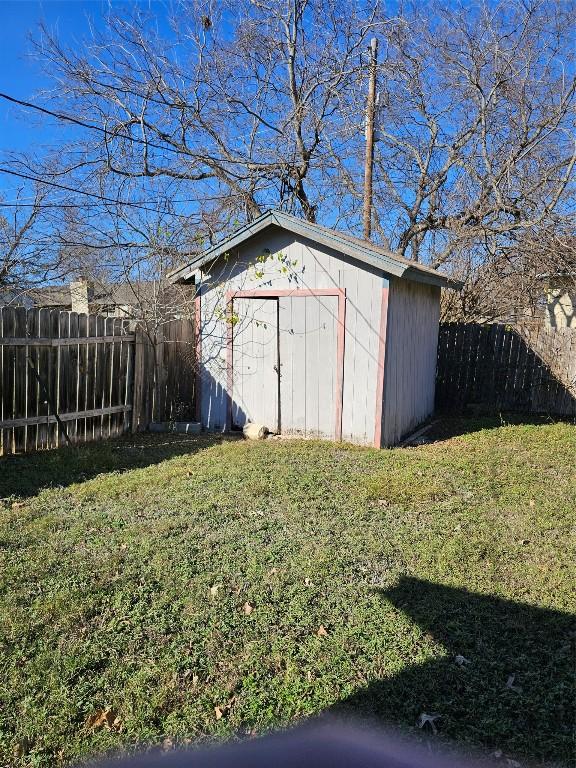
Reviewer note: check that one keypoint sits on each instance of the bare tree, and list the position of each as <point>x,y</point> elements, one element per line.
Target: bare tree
<point>240,119</point>
<point>512,286</point>
<point>251,105</point>
<point>28,255</point>
<point>476,129</point>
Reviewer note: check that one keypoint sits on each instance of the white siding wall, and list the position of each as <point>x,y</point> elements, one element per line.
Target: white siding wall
<point>310,266</point>
<point>411,347</point>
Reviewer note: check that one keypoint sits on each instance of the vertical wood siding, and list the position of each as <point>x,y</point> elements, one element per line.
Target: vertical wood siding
<point>410,370</point>
<point>308,343</point>
<point>87,376</point>
<point>255,349</point>
<point>296,263</point>
<point>500,368</point>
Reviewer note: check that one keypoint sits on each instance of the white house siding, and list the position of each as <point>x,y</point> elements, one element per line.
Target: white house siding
<point>308,266</point>
<point>410,363</point>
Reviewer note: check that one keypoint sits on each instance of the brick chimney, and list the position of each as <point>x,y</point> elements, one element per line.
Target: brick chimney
<point>81,294</point>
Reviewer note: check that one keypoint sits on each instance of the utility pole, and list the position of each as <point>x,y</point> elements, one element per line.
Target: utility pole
<point>369,161</point>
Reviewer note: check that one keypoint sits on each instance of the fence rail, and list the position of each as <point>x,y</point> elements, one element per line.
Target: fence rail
<point>498,367</point>
<point>68,377</point>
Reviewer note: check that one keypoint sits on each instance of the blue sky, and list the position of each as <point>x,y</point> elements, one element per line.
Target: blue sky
<point>21,76</point>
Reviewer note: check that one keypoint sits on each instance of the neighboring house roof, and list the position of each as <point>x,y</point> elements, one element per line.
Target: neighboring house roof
<point>101,294</point>
<point>360,250</point>
<point>124,294</point>
<point>50,296</point>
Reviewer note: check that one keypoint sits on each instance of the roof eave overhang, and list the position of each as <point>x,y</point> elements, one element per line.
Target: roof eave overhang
<point>363,254</point>
<point>429,278</point>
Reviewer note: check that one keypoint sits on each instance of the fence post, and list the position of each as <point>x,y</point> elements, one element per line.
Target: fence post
<point>138,386</point>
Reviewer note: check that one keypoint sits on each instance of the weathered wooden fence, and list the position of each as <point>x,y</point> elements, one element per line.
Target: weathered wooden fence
<point>496,367</point>
<point>164,380</point>
<point>67,377</point>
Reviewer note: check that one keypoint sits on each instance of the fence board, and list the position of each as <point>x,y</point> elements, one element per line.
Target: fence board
<point>100,376</point>
<point>498,367</point>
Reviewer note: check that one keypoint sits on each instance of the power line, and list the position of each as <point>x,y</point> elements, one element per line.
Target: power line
<point>13,204</point>
<point>103,198</point>
<point>22,204</point>
<point>38,205</point>
<point>91,126</point>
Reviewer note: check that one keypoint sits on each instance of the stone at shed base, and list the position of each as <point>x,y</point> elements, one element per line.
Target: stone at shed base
<point>255,431</point>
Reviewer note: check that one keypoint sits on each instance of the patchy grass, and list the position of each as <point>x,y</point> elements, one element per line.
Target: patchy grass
<point>171,590</point>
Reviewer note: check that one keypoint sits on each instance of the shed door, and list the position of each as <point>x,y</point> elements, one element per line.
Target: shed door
<point>255,363</point>
<point>308,370</point>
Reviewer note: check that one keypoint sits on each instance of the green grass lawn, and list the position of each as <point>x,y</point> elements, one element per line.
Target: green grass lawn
<point>169,590</point>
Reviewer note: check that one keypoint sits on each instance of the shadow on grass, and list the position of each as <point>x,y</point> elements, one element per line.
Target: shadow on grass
<point>26,475</point>
<point>514,691</point>
<point>446,425</point>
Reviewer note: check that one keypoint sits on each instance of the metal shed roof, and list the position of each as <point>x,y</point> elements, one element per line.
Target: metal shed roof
<point>360,250</point>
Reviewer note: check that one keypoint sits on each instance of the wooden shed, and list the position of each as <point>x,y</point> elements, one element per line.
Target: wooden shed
<point>313,332</point>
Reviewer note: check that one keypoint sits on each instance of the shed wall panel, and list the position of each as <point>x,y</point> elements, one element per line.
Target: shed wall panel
<point>308,364</point>
<point>296,263</point>
<point>410,367</point>
<point>255,353</point>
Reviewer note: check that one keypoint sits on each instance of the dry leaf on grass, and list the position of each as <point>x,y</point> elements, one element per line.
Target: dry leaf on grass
<point>192,677</point>
<point>322,632</point>
<point>248,608</point>
<point>21,748</point>
<point>219,712</point>
<point>214,590</point>
<point>103,718</point>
